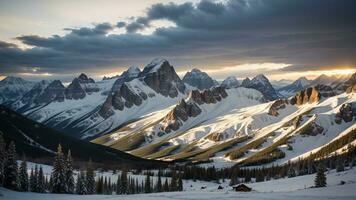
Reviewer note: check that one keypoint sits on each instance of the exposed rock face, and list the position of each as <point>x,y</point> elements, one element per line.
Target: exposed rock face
<point>350,85</point>
<point>308,95</point>
<point>162,78</point>
<point>124,97</point>
<point>313,129</point>
<point>262,84</point>
<point>80,87</point>
<point>54,92</point>
<point>181,112</point>
<point>184,110</point>
<point>347,112</point>
<point>217,136</point>
<point>277,105</point>
<point>199,79</point>
<point>208,96</point>
<point>230,82</point>
<point>296,86</point>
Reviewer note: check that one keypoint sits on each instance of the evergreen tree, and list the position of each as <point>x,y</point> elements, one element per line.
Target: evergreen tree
<point>10,169</point>
<point>69,178</point>
<point>180,184</point>
<point>41,182</point>
<point>81,186</point>
<point>118,184</point>
<point>320,178</point>
<point>99,185</point>
<point>173,186</point>
<point>340,165</point>
<point>59,172</point>
<point>33,181</point>
<point>166,186</point>
<point>23,176</point>
<point>148,188</point>
<point>159,183</point>
<point>90,178</point>
<point>291,172</point>
<point>123,189</point>
<point>2,159</point>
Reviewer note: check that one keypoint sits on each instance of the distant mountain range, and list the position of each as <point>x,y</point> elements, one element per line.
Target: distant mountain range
<point>154,114</point>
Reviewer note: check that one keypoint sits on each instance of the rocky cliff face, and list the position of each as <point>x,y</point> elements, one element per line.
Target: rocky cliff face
<point>175,118</point>
<point>277,105</point>
<point>128,75</point>
<point>80,87</point>
<point>346,113</point>
<point>262,84</point>
<point>199,79</point>
<point>162,78</point>
<point>309,95</point>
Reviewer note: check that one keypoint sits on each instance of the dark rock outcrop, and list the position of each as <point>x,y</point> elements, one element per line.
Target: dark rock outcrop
<point>80,87</point>
<point>313,129</point>
<point>309,95</point>
<point>347,112</point>
<point>277,105</point>
<point>181,112</point>
<point>173,120</point>
<point>162,78</point>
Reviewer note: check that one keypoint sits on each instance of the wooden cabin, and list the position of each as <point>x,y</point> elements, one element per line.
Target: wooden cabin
<point>242,188</point>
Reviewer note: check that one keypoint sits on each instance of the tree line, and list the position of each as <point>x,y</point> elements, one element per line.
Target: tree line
<point>62,178</point>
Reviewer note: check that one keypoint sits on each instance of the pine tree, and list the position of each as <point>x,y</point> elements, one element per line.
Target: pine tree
<point>2,159</point>
<point>118,184</point>
<point>148,188</point>
<point>90,179</point>
<point>320,178</point>
<point>159,183</point>
<point>99,185</point>
<point>340,165</point>
<point>10,169</point>
<point>291,172</point>
<point>81,186</point>
<point>59,172</point>
<point>123,189</point>
<point>166,186</point>
<point>41,182</point>
<point>33,181</point>
<point>69,178</point>
<point>35,174</point>
<point>180,184</point>
<point>173,186</point>
<point>23,176</point>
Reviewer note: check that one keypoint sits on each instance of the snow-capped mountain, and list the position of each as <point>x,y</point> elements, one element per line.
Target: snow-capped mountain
<point>199,79</point>
<point>294,87</point>
<point>13,88</point>
<point>233,126</point>
<point>262,84</point>
<point>230,82</point>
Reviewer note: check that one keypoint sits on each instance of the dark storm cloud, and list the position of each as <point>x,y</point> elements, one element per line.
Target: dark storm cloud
<point>300,32</point>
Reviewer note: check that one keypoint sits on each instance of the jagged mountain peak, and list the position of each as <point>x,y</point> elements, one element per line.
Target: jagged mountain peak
<point>132,71</point>
<point>155,65</point>
<point>199,79</point>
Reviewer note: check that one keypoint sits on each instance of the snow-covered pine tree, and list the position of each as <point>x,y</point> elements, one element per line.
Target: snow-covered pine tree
<point>23,176</point>
<point>2,159</point>
<point>58,172</point>
<point>41,185</point>
<point>320,178</point>
<point>69,178</point>
<point>81,185</point>
<point>10,169</point>
<point>90,178</point>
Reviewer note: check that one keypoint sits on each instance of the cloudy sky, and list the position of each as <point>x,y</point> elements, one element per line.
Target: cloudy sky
<point>59,39</point>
